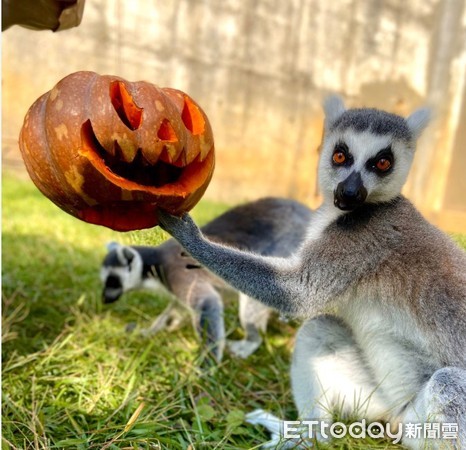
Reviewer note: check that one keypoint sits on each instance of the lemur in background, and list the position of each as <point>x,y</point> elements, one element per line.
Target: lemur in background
<point>384,290</point>
<point>270,226</point>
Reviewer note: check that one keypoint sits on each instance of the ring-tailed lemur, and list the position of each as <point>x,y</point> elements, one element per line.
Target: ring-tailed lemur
<point>384,289</point>
<point>269,226</point>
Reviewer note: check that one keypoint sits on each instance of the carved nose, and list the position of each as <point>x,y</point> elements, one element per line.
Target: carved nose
<point>350,193</point>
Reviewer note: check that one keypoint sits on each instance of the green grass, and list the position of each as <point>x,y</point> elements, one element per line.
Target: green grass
<point>73,378</point>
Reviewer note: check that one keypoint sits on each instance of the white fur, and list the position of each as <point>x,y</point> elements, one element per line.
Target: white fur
<point>321,219</point>
<point>363,146</point>
<point>370,358</point>
<point>394,351</point>
<point>366,373</point>
<point>130,274</point>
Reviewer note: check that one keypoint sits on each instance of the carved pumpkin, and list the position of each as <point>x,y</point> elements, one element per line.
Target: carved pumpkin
<point>111,152</point>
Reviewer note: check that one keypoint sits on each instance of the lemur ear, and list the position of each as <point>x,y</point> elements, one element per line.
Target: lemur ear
<point>418,120</point>
<point>128,254</point>
<point>124,254</point>
<point>112,245</point>
<point>333,108</point>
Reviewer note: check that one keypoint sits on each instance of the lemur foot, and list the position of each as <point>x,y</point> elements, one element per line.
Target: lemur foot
<point>162,322</point>
<point>130,327</point>
<point>260,417</point>
<point>243,348</point>
<point>274,425</point>
<point>170,322</point>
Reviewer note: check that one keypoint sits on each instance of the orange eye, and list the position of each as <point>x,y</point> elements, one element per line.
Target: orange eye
<point>383,164</point>
<point>339,158</point>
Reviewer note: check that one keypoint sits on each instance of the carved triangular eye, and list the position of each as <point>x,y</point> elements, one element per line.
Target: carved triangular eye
<point>129,113</point>
<point>192,117</point>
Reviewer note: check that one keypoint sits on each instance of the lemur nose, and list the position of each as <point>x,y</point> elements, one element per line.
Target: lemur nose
<point>350,193</point>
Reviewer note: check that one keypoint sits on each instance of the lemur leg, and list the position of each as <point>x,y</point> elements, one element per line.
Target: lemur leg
<point>329,377</point>
<point>208,319</point>
<point>253,317</point>
<point>329,374</point>
<point>171,318</point>
<point>441,401</point>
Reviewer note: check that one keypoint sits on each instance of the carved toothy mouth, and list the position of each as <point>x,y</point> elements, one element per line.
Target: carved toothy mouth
<point>139,170</point>
<point>137,165</point>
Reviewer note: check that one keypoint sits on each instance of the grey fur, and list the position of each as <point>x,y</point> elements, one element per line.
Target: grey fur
<point>418,120</point>
<point>268,226</point>
<point>395,285</point>
<point>334,108</point>
<point>376,121</point>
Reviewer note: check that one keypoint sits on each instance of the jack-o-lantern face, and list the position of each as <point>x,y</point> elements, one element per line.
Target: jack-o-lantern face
<point>111,152</point>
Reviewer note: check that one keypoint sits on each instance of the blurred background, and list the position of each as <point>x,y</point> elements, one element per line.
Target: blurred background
<point>260,70</point>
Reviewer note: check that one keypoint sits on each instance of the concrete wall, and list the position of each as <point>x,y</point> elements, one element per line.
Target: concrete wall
<point>260,70</point>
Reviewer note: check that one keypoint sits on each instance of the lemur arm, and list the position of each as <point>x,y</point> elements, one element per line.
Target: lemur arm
<point>269,280</point>
<point>289,285</point>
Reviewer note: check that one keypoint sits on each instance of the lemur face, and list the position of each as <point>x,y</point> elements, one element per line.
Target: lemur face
<point>121,272</point>
<point>362,166</point>
<point>366,154</point>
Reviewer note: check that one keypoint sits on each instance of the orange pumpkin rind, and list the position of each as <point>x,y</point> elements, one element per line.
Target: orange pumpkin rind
<point>111,152</point>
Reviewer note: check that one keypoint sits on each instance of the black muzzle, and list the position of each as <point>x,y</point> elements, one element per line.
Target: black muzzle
<point>113,289</point>
<point>350,193</point>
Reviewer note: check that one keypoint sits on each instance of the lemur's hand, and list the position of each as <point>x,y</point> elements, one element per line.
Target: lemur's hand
<point>181,228</point>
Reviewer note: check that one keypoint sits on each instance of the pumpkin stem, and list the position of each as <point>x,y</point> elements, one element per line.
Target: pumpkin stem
<point>129,113</point>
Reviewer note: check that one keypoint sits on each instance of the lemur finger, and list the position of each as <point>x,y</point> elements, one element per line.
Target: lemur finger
<point>166,220</point>
<point>173,224</point>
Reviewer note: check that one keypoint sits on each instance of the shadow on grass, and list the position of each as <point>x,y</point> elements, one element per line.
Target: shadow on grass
<point>40,275</point>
